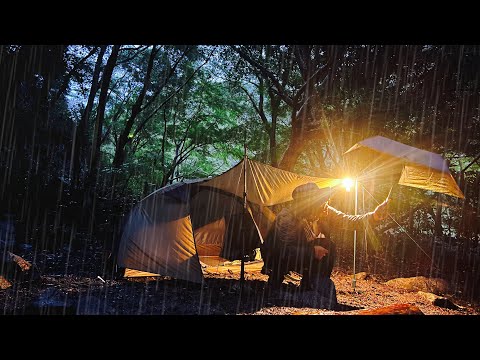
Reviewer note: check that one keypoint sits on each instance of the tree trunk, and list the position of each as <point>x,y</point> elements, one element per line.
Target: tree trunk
<point>294,149</point>
<point>303,103</point>
<point>313,72</point>
<point>438,218</point>
<point>125,138</point>
<point>81,135</point>
<point>411,227</point>
<point>297,143</point>
<point>273,146</point>
<point>102,102</point>
<point>272,133</point>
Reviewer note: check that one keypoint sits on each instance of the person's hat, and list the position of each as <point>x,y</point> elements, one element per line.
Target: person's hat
<point>310,191</point>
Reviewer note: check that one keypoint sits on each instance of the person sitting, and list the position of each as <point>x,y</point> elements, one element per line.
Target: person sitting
<point>299,239</point>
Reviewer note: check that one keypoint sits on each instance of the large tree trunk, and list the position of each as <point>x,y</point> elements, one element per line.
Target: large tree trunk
<point>102,102</point>
<point>313,71</point>
<point>298,140</point>
<point>273,146</point>
<point>81,134</point>
<point>290,156</point>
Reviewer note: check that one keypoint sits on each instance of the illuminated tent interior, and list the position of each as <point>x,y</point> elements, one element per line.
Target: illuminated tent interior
<point>181,228</point>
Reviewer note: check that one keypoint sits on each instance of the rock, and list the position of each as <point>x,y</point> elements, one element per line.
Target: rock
<point>428,296</point>
<point>361,275</point>
<point>439,301</point>
<point>420,283</point>
<point>17,269</point>
<point>445,303</point>
<point>4,283</point>
<point>396,309</point>
<point>23,264</point>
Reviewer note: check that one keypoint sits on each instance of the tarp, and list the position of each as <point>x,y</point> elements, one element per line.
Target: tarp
<point>266,185</point>
<point>170,229</point>
<point>420,168</point>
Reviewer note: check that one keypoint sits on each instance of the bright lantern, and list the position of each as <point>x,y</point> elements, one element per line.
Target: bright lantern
<point>347,183</point>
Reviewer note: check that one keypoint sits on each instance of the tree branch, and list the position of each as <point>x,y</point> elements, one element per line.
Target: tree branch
<point>471,163</point>
<point>259,110</point>
<point>67,77</point>
<point>144,122</point>
<point>170,74</point>
<point>139,50</point>
<point>266,73</point>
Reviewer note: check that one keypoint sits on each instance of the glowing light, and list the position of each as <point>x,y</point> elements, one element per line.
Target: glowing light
<point>347,183</point>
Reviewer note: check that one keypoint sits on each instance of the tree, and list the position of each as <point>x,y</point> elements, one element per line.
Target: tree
<point>142,103</point>
<point>312,65</point>
<point>100,117</point>
<point>81,133</point>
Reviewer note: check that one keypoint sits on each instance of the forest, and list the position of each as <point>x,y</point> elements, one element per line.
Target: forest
<point>87,131</point>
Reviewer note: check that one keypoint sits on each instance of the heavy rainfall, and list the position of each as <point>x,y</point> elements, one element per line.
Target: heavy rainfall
<point>147,179</point>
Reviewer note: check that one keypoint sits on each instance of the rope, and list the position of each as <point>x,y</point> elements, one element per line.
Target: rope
<point>401,227</point>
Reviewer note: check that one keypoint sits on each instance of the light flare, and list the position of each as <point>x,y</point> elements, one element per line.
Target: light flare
<point>347,183</point>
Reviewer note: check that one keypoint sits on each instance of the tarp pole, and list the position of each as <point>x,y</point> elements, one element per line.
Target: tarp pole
<point>365,230</point>
<point>354,280</point>
<point>242,261</point>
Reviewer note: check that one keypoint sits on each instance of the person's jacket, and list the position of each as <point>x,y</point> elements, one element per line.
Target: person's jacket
<point>290,234</point>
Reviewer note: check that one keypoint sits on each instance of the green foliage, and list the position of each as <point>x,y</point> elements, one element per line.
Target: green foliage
<point>202,104</point>
<point>196,133</point>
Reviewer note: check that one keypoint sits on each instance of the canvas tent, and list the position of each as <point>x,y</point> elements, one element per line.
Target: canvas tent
<point>170,230</point>
<point>418,168</point>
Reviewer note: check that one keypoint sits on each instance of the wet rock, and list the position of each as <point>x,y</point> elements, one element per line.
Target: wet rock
<point>439,301</point>
<point>396,309</point>
<point>361,275</point>
<point>4,283</point>
<point>16,269</point>
<point>23,264</point>
<point>420,283</point>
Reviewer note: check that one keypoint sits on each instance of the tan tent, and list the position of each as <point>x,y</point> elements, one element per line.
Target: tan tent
<point>170,231</point>
<point>418,168</point>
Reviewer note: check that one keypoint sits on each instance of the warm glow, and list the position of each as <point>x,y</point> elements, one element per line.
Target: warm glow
<point>347,183</point>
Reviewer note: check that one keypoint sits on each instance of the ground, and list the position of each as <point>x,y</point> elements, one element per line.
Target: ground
<point>70,284</point>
